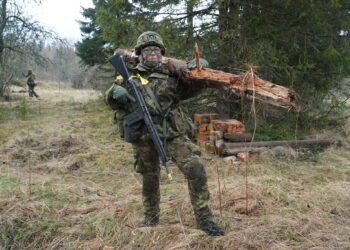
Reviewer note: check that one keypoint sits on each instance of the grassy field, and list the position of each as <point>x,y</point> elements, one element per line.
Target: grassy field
<point>67,182</point>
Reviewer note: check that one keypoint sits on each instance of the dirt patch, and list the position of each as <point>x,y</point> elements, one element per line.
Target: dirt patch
<point>241,205</point>
<point>234,200</point>
<point>28,142</point>
<point>75,166</point>
<point>62,146</point>
<point>40,150</point>
<point>16,144</point>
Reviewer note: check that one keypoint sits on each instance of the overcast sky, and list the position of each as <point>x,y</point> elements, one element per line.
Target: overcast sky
<point>60,16</point>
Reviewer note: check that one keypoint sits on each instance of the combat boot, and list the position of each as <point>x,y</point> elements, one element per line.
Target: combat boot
<point>148,222</point>
<point>211,228</point>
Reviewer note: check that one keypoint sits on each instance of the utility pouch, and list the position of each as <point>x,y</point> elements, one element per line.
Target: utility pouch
<point>133,125</point>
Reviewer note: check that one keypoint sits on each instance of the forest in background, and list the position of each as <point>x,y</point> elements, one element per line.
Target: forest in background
<point>61,65</point>
<point>25,44</point>
<point>303,45</point>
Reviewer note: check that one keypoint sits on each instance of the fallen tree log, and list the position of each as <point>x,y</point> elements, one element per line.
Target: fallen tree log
<point>234,151</point>
<point>238,137</point>
<point>234,148</point>
<point>248,85</point>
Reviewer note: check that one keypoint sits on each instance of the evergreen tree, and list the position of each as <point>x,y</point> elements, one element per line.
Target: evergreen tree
<point>301,44</point>
<point>121,21</point>
<point>91,48</point>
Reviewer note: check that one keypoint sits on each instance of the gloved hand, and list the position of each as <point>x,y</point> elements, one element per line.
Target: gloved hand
<point>121,95</point>
<point>192,64</point>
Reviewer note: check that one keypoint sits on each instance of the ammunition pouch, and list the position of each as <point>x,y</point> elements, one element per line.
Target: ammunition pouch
<point>112,102</point>
<point>133,126</point>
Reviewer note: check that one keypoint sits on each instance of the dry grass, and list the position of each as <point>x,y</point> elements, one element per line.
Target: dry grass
<point>67,182</point>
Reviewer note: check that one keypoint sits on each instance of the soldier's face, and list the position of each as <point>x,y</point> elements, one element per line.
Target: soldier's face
<point>152,56</point>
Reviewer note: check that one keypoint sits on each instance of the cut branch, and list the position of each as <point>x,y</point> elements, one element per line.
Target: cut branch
<point>239,85</point>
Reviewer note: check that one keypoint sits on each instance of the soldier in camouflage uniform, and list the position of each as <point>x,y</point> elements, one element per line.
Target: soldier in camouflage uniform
<point>31,84</point>
<point>162,94</point>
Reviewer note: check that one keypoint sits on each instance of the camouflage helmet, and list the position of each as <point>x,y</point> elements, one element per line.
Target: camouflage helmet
<point>30,71</point>
<point>149,38</point>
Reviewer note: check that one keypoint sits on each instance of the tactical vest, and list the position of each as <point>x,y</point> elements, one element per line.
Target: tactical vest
<point>161,94</point>
<point>31,80</point>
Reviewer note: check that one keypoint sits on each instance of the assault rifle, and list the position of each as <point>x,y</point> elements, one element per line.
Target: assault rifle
<point>142,112</point>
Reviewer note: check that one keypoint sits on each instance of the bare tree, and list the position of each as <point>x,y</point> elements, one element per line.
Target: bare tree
<point>20,38</point>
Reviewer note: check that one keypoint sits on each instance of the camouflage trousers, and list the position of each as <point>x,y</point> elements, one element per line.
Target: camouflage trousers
<point>32,92</point>
<point>186,155</point>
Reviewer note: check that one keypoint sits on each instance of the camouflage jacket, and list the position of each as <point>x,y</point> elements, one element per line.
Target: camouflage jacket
<point>168,92</point>
<point>30,79</point>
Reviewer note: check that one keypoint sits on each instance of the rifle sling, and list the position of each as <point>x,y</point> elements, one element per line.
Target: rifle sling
<point>154,98</point>
<point>164,115</point>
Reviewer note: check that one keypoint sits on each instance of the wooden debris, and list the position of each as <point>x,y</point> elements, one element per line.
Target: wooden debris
<point>248,85</point>
<point>205,118</point>
<point>234,148</point>
<point>212,134</point>
<point>243,156</point>
<point>197,56</point>
<point>228,126</point>
<point>210,131</point>
<point>238,137</point>
<point>203,122</point>
<point>234,151</point>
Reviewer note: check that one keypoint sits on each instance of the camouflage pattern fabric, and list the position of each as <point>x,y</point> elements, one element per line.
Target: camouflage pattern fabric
<point>168,91</point>
<point>31,84</point>
<point>30,79</point>
<point>185,154</point>
<point>149,38</point>
<point>32,91</point>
